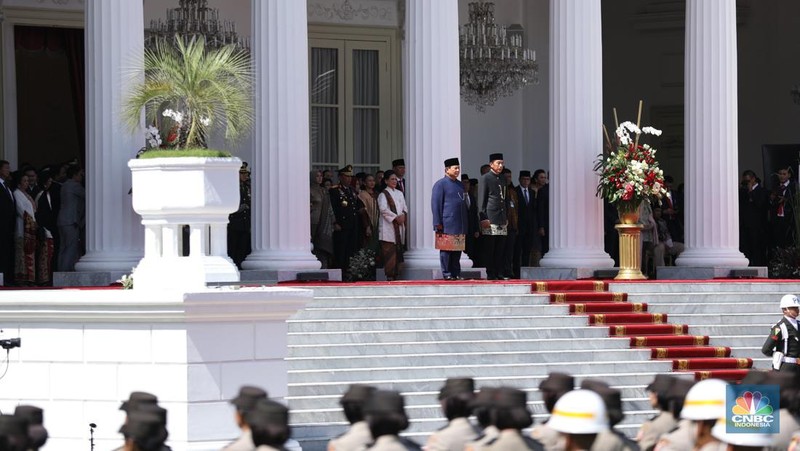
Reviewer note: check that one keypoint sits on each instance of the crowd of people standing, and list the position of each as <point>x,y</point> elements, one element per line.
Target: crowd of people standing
<point>370,212</point>
<point>42,221</point>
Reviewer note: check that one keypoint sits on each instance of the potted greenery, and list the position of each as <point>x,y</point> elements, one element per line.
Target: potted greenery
<point>190,92</point>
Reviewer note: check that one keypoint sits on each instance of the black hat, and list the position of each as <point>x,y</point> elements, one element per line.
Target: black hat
<point>155,409</point>
<point>613,401</point>
<point>399,162</point>
<point>594,384</point>
<point>136,398</point>
<point>357,393</point>
<point>558,382</point>
<point>11,425</point>
<point>509,398</point>
<point>755,377</point>
<point>661,383</point>
<point>511,409</point>
<point>247,397</point>
<point>347,170</point>
<point>267,411</point>
<point>144,426</point>
<point>524,173</point>
<point>484,397</point>
<point>37,434</point>
<point>385,401</point>
<point>457,385</point>
<point>495,156</point>
<point>451,162</point>
<point>464,177</point>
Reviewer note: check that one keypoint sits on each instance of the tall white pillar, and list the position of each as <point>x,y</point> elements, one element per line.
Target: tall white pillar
<point>114,46</point>
<point>432,119</point>
<point>711,150</point>
<point>576,136</point>
<point>281,218</point>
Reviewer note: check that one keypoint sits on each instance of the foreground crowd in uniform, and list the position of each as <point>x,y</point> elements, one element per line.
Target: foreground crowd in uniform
<point>691,416</point>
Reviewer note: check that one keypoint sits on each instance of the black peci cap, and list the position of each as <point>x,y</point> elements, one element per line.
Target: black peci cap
<point>457,385</point>
<point>451,162</point>
<point>495,156</point>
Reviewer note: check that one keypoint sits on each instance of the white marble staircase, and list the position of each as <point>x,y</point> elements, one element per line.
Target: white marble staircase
<point>410,338</point>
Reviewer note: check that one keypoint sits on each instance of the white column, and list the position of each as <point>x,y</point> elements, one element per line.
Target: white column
<point>114,46</point>
<point>432,119</point>
<point>712,146</point>
<point>281,218</point>
<point>576,136</point>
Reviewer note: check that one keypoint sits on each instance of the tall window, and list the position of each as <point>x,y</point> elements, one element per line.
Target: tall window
<point>352,116</point>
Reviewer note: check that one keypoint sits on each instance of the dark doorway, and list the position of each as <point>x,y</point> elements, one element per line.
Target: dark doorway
<point>50,95</point>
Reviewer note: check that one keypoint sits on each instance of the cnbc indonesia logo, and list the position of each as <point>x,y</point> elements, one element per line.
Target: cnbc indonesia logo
<point>752,412</point>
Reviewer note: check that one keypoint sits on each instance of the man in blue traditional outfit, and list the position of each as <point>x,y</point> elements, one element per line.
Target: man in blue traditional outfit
<point>449,205</point>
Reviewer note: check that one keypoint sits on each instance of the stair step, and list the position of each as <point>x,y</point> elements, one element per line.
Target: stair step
<point>697,319</point>
<point>668,340</point>
<point>569,285</point>
<point>463,322</point>
<point>711,364</point>
<point>728,375</point>
<point>689,351</point>
<point>467,288</point>
<point>647,329</point>
<point>729,286</point>
<point>584,297</point>
<point>599,319</point>
<point>694,307</point>
<point>447,299</point>
<point>431,311</point>
<point>607,307</point>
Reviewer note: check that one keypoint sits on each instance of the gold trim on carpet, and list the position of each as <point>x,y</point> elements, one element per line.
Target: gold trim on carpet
<point>704,374</point>
<point>658,318</point>
<point>743,363</point>
<point>638,308</point>
<point>541,286</point>
<point>599,286</point>
<point>559,298</point>
<point>683,364</point>
<point>699,339</point>
<point>599,320</point>
<point>619,330</point>
<point>618,297</point>
<point>640,341</point>
<point>677,328</point>
<point>580,308</point>
<point>661,353</point>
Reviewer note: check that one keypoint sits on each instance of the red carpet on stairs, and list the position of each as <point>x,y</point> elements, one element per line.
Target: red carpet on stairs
<point>689,353</point>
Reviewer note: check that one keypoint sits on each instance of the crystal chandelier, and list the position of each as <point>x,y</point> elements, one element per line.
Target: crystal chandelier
<point>194,18</point>
<point>494,63</point>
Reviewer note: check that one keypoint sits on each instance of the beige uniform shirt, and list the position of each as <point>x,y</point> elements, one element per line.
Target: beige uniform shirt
<point>680,439</point>
<point>510,440</point>
<point>608,440</point>
<point>714,446</point>
<point>549,437</point>
<point>356,438</point>
<point>789,426</point>
<point>243,443</point>
<point>453,437</point>
<point>653,429</point>
<point>489,434</point>
<point>389,443</point>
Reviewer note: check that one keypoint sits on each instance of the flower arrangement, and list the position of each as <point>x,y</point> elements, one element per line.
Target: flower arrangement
<point>362,265</point>
<point>629,172</point>
<point>127,280</point>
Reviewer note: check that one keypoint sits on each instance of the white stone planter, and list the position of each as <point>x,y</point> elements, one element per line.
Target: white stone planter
<point>172,192</point>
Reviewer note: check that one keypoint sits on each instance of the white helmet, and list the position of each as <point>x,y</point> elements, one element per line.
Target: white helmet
<point>789,300</point>
<point>705,400</point>
<point>579,412</point>
<point>740,439</point>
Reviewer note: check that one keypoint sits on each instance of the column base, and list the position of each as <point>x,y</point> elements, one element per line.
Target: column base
<point>708,272</point>
<point>576,258</point>
<point>87,278</point>
<point>275,260</point>
<point>109,261</point>
<point>422,259</point>
<point>434,274</point>
<point>539,273</point>
<point>730,258</point>
<point>273,276</point>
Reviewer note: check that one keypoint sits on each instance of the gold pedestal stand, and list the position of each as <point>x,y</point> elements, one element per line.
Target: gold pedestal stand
<point>630,252</point>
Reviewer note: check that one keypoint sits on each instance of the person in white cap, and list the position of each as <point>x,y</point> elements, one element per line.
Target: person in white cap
<point>740,441</point>
<point>704,405</point>
<point>783,342</point>
<point>580,415</point>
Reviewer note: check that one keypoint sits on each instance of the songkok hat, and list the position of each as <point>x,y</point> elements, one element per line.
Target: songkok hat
<point>267,412</point>
<point>357,393</point>
<point>399,162</point>
<point>661,383</point>
<point>384,401</point>
<point>495,156</point>
<point>485,397</point>
<point>457,385</point>
<point>510,398</point>
<point>558,382</point>
<point>593,384</point>
<point>137,398</point>
<point>247,397</point>
<point>144,426</point>
<point>347,170</point>
<point>451,162</point>
<point>524,173</point>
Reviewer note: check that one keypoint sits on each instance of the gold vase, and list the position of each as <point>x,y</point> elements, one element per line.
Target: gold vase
<point>630,242</point>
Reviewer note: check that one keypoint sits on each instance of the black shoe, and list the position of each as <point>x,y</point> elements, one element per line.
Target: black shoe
<point>448,278</point>
<point>457,278</point>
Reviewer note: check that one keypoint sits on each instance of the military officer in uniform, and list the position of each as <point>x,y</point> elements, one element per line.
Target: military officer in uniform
<point>482,407</point>
<point>580,416</point>
<point>703,406</point>
<point>663,422</point>
<point>386,415</point>
<point>345,206</point>
<point>456,398</point>
<point>144,430</point>
<point>552,389</point>
<point>358,436</point>
<point>492,192</point>
<point>37,434</point>
<point>245,401</point>
<point>449,207</point>
<point>612,439</point>
<point>682,436</point>
<point>783,343</point>
<point>511,415</point>
<point>269,424</point>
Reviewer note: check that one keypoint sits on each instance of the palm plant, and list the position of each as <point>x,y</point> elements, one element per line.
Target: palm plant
<point>199,89</point>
